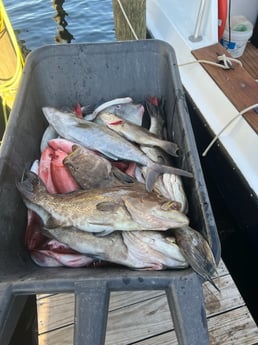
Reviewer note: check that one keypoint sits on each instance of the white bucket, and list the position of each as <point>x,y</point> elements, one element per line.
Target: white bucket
<point>241,31</point>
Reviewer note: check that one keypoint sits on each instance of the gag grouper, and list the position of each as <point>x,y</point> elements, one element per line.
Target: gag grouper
<point>149,250</point>
<point>100,210</point>
<point>106,141</point>
<point>91,170</point>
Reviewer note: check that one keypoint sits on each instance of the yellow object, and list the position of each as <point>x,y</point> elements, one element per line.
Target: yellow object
<point>11,62</point>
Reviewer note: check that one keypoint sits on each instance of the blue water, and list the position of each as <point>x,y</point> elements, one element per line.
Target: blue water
<point>41,22</point>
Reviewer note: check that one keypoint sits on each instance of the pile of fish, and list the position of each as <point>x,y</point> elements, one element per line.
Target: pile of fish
<point>104,190</point>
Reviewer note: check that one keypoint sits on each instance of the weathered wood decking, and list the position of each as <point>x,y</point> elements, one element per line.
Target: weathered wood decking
<point>143,317</point>
<point>238,84</point>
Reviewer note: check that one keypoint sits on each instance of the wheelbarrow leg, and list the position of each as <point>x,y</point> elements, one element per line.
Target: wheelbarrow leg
<point>91,312</point>
<point>11,307</point>
<point>186,303</point>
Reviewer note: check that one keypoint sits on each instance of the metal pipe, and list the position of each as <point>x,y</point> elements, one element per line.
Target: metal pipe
<point>196,37</point>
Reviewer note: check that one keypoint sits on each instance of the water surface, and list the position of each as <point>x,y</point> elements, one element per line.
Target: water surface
<point>41,22</point>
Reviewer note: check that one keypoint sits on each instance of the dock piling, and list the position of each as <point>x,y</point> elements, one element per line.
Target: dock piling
<point>129,19</point>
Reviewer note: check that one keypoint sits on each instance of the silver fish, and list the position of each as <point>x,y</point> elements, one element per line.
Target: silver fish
<point>92,116</point>
<point>137,134</point>
<point>168,185</point>
<point>155,112</point>
<point>156,127</point>
<point>106,141</point>
<point>100,210</point>
<point>147,250</point>
<point>129,111</point>
<point>111,103</point>
<point>123,107</point>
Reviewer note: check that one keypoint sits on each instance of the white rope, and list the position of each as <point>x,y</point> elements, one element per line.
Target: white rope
<point>227,125</point>
<point>127,19</point>
<point>225,62</point>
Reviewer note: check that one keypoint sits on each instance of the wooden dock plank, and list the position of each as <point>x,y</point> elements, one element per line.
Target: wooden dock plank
<point>233,328</point>
<point>139,321</point>
<point>143,317</point>
<point>57,310</point>
<point>237,84</point>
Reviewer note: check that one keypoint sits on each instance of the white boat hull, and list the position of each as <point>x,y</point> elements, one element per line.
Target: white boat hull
<point>170,20</point>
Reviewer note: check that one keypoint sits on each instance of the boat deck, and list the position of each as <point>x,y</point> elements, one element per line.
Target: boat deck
<point>250,60</point>
<point>238,84</point>
<point>143,317</point>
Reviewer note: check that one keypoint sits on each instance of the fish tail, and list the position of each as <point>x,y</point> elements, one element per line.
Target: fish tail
<point>213,284</point>
<point>197,252</point>
<point>172,170</point>
<point>154,170</point>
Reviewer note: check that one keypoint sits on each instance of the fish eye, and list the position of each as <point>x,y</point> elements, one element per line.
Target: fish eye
<point>118,106</point>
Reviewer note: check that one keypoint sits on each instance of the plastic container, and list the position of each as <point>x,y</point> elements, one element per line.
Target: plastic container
<point>236,38</point>
<point>63,75</point>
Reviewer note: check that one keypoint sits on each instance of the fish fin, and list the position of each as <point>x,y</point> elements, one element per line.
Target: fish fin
<point>197,252</point>
<point>161,168</point>
<point>171,148</point>
<point>123,177</point>
<point>52,223</point>
<point>150,178</point>
<point>154,170</point>
<point>107,206</point>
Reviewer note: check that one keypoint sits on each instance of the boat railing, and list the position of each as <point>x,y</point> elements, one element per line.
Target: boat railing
<point>196,37</point>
